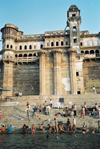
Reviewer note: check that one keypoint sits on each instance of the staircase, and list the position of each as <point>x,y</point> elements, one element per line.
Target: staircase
<point>13,112</point>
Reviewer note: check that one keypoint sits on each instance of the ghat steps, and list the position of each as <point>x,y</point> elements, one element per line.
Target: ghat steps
<point>15,114</point>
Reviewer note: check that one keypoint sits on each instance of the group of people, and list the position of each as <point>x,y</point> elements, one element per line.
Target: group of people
<point>38,109</point>
<point>67,128</point>
<point>7,128</point>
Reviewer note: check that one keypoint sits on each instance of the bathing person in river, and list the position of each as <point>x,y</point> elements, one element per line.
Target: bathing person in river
<point>33,129</point>
<point>56,125</point>
<point>84,129</point>
<point>99,125</point>
<point>93,131</point>
<point>50,128</point>
<point>41,127</point>
<point>24,128</point>
<point>3,129</point>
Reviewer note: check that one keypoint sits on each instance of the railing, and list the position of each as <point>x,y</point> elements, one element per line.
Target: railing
<point>26,59</point>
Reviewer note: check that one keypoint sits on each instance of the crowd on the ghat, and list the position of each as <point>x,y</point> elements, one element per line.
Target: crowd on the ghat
<point>67,112</point>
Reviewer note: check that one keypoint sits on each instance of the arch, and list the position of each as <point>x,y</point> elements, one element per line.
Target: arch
<point>11,46</point>
<point>30,46</point>
<point>20,55</point>
<point>57,43</point>
<point>25,47</point>
<point>20,47</point>
<point>82,51</point>
<point>91,51</point>
<point>7,45</point>
<point>96,51</point>
<point>86,52</point>
<point>34,54</point>
<point>25,55</point>
<point>30,55</point>
<point>52,43</point>
<point>62,43</point>
<point>15,55</point>
<point>41,46</point>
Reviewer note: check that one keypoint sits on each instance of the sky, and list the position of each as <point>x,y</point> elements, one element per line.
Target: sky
<point>38,16</point>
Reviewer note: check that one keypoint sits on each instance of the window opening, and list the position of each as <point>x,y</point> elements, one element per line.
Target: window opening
<point>7,46</point>
<point>74,28</point>
<point>75,40</point>
<point>77,73</point>
<point>91,43</point>
<point>73,15</point>
<point>30,47</point>
<point>78,92</point>
<point>25,47</point>
<point>81,44</point>
<point>52,44</point>
<point>62,43</point>
<point>57,44</point>
<point>20,47</point>
<point>41,46</point>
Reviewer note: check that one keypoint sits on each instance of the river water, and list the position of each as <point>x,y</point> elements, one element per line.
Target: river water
<point>40,141</point>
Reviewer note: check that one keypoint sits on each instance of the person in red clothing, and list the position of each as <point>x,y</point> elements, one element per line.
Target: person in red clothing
<point>0,114</point>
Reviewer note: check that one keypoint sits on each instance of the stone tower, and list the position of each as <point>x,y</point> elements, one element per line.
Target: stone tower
<point>9,34</point>
<point>73,22</point>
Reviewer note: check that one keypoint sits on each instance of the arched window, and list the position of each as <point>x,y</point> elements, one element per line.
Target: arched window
<point>91,52</point>
<point>41,46</point>
<point>30,55</point>
<point>81,44</point>
<point>86,52</point>
<point>20,47</point>
<point>97,52</point>
<point>25,55</point>
<point>7,45</point>
<point>52,43</point>
<point>25,47</point>
<point>34,54</point>
<point>62,43</point>
<point>74,28</point>
<point>82,51</point>
<point>30,47</point>
<point>20,55</point>
<point>15,55</point>
<point>11,46</point>
<point>57,43</point>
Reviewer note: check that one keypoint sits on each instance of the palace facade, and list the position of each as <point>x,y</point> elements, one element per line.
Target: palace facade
<point>54,63</point>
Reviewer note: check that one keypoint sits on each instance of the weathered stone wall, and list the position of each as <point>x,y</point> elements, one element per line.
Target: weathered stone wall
<point>91,73</point>
<point>26,79</point>
<point>49,75</point>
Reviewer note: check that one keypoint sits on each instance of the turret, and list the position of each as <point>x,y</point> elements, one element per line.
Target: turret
<point>73,22</point>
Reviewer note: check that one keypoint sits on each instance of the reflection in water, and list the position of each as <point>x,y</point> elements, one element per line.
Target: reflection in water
<point>45,141</point>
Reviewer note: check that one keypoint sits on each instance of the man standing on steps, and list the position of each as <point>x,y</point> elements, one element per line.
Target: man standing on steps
<point>0,114</point>
<point>28,113</point>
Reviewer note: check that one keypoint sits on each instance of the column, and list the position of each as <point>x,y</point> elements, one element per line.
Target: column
<point>72,55</point>
<point>8,79</point>
<point>42,72</point>
<point>57,72</point>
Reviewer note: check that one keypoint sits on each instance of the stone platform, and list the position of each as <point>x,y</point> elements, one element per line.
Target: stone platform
<point>15,114</point>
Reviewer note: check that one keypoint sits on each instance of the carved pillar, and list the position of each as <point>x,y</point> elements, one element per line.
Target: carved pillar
<point>72,55</point>
<point>8,79</point>
<point>42,72</point>
<point>57,72</point>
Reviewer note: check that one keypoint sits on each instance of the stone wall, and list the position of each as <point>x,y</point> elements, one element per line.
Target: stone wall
<point>26,79</point>
<point>91,73</point>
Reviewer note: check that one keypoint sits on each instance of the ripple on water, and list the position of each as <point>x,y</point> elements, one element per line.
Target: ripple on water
<point>40,141</point>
